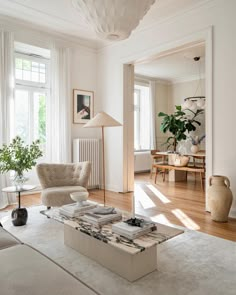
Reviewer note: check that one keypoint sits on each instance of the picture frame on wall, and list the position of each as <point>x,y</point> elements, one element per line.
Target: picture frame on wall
<point>83,101</point>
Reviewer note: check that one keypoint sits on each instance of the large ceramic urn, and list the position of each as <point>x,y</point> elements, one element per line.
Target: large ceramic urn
<point>220,197</point>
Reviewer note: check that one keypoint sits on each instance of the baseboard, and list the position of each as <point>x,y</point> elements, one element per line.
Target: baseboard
<point>112,187</point>
<point>142,171</point>
<point>232,213</point>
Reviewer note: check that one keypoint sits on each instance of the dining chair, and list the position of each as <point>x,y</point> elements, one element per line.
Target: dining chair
<point>199,161</point>
<point>155,159</point>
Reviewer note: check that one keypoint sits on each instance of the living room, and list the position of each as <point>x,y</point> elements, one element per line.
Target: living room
<point>72,61</point>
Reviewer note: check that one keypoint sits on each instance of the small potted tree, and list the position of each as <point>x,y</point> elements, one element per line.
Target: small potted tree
<point>178,124</point>
<point>19,158</point>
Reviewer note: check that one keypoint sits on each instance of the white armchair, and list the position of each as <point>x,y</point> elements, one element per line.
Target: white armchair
<point>58,181</point>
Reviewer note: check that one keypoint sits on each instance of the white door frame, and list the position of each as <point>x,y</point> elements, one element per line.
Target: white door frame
<point>128,72</point>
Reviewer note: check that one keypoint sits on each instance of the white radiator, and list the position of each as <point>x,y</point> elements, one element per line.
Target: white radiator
<point>87,149</point>
<point>142,161</point>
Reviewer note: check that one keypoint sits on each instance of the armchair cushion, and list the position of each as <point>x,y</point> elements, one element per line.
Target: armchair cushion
<point>59,196</point>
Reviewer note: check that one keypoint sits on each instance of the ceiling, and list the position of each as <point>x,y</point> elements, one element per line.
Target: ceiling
<point>176,67</point>
<point>61,17</point>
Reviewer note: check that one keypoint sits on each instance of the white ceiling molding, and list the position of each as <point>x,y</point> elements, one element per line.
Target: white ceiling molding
<point>175,67</point>
<point>174,80</point>
<point>143,78</point>
<point>113,20</point>
<point>60,17</point>
<point>187,79</point>
<point>47,22</point>
<point>38,36</point>
<point>178,12</point>
<point>30,49</point>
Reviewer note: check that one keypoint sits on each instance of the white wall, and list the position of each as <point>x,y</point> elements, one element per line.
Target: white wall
<point>162,102</point>
<point>83,76</point>
<point>181,90</point>
<point>177,93</point>
<point>221,15</point>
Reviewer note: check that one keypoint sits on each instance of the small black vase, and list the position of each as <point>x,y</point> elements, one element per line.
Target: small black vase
<point>19,216</point>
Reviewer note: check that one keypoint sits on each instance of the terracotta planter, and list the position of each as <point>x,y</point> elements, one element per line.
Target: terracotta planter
<point>220,197</point>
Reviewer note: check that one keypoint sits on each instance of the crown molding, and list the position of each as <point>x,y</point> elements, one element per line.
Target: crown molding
<point>147,78</point>
<point>172,18</point>
<point>45,35</point>
<point>187,79</point>
<point>156,24</point>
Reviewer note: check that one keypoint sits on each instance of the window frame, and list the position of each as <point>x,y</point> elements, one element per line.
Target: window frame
<point>137,108</point>
<point>32,87</point>
<point>31,91</point>
<point>33,58</point>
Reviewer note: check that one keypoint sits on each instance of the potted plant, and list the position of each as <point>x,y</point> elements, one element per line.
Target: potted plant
<point>19,158</point>
<point>178,124</point>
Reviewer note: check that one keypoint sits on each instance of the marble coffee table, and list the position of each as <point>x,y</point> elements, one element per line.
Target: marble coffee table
<point>129,259</point>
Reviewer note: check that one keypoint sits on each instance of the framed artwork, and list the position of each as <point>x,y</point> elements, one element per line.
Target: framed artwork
<point>82,106</point>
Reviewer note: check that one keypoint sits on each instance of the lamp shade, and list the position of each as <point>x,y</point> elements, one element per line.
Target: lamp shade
<point>102,119</point>
<point>113,19</point>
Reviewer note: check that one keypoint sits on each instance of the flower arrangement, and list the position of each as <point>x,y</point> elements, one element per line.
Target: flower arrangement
<point>196,140</point>
<point>19,157</point>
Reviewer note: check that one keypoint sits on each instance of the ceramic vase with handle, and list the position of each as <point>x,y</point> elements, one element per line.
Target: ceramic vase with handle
<point>220,197</point>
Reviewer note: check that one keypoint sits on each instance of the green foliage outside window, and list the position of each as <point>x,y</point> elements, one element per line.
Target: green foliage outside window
<point>42,119</point>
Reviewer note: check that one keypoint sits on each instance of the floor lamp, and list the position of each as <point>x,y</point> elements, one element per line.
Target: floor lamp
<point>102,120</point>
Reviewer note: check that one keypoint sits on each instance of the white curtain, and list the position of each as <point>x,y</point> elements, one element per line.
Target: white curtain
<point>59,108</point>
<point>6,98</point>
<point>153,114</point>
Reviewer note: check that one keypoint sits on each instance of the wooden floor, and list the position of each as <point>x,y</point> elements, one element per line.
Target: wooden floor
<point>180,203</point>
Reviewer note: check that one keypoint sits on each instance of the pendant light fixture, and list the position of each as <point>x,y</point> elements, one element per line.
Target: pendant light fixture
<point>113,19</point>
<point>197,101</point>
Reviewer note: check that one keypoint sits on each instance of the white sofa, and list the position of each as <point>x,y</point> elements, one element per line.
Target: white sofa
<point>26,271</point>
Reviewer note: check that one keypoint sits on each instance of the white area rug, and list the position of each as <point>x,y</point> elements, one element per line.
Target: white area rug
<point>192,263</point>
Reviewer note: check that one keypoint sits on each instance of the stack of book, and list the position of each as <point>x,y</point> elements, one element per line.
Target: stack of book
<point>100,219</point>
<point>133,232</point>
<point>73,210</point>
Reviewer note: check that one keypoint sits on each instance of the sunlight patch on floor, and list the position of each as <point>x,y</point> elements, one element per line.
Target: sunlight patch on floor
<point>161,219</point>
<point>143,198</point>
<point>160,196</point>
<point>187,222</point>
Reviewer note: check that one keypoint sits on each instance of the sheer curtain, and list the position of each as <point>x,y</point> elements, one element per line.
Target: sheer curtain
<point>59,108</point>
<point>6,98</point>
<point>152,114</point>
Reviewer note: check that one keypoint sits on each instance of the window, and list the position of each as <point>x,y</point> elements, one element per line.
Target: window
<point>28,70</point>
<point>142,110</point>
<point>31,94</point>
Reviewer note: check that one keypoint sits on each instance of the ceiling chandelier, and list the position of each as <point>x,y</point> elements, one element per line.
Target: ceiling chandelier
<point>197,101</point>
<point>113,19</point>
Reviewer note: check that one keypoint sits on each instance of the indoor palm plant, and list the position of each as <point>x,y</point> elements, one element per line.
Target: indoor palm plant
<point>19,158</point>
<point>179,124</point>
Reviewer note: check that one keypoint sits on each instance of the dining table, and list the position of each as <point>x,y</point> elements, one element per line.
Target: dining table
<point>197,165</point>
